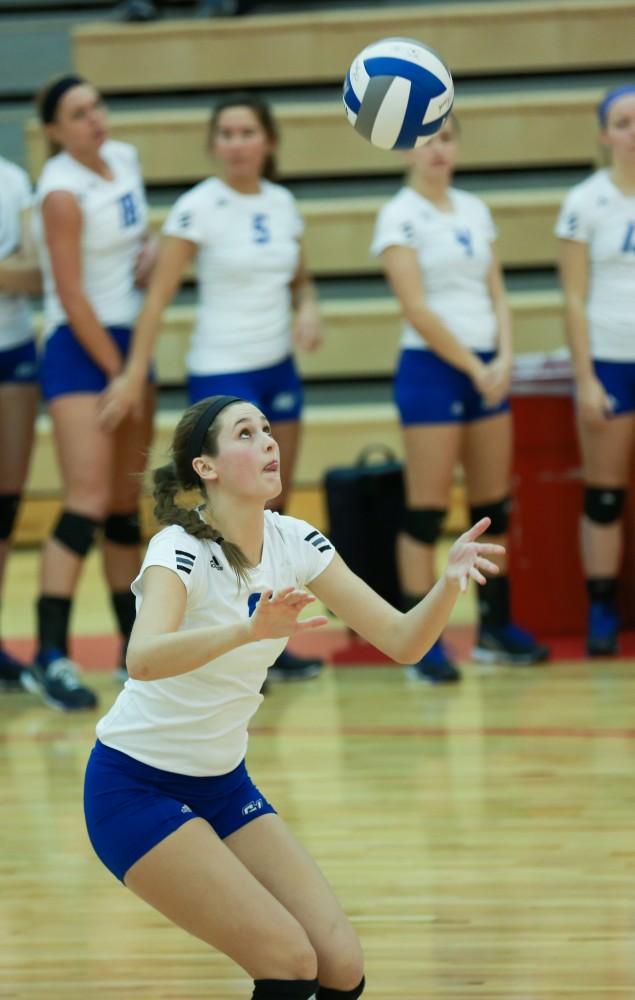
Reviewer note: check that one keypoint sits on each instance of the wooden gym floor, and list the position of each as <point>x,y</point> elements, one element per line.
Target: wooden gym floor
<point>481,838</point>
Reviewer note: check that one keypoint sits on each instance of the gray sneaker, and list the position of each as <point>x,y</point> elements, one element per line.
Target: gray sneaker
<point>59,685</point>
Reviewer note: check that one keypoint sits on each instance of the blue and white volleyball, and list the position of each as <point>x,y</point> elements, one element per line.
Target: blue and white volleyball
<point>397,93</point>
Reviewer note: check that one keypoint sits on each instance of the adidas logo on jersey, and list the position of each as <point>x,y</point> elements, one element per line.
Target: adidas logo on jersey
<point>215,564</point>
<point>318,540</point>
<point>184,560</point>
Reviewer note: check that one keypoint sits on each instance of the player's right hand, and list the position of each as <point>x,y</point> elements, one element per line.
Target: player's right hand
<point>276,615</point>
<point>594,405</point>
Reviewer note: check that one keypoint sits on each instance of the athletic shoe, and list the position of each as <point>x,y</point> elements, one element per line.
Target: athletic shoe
<point>139,10</point>
<point>11,671</point>
<point>603,627</point>
<point>57,683</point>
<point>435,667</point>
<point>508,644</point>
<point>294,668</point>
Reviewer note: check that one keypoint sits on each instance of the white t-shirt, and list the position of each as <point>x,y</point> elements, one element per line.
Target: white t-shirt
<point>248,254</point>
<point>454,254</point>
<point>114,217</point>
<point>597,213</point>
<point>15,196</point>
<point>196,723</point>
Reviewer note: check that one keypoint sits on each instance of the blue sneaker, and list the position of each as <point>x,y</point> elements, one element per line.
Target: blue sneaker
<point>54,677</point>
<point>435,667</point>
<point>603,628</point>
<point>508,644</point>
<point>11,671</point>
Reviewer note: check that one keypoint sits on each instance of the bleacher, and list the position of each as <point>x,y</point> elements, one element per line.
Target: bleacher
<point>528,76</point>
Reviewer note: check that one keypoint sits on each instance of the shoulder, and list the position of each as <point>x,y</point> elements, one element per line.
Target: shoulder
<point>590,192</point>
<point>205,194</point>
<point>124,152</point>
<point>469,202</point>
<point>175,535</point>
<point>404,201</point>
<point>60,173</point>
<point>295,529</point>
<point>278,194</point>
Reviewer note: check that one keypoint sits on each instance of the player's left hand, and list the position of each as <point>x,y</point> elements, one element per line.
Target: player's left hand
<point>121,398</point>
<point>468,558</point>
<point>499,376</point>
<point>145,262</point>
<point>308,334</point>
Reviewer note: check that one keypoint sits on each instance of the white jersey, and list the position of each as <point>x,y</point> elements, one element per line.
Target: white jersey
<point>454,254</point>
<point>15,197</point>
<point>597,213</point>
<point>248,254</point>
<point>196,723</point>
<point>114,218</point>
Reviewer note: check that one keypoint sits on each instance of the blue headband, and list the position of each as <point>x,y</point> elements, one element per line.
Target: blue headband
<point>611,97</point>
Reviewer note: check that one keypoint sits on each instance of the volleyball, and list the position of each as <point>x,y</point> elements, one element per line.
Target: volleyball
<point>397,93</point>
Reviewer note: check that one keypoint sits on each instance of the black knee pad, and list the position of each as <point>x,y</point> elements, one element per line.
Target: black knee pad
<point>603,504</point>
<point>75,531</point>
<point>497,510</point>
<point>123,529</point>
<point>285,989</point>
<point>324,994</point>
<point>9,503</point>
<point>424,524</point>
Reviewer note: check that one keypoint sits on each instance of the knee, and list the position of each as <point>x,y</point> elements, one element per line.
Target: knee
<point>604,505</point>
<point>344,970</point>
<point>295,956</point>
<point>424,524</point>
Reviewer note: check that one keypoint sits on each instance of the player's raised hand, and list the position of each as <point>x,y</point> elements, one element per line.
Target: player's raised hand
<point>468,558</point>
<point>276,615</point>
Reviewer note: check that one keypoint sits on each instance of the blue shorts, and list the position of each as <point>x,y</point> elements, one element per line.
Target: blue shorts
<point>276,390</point>
<point>67,367</point>
<point>618,379</point>
<point>130,807</point>
<point>428,390</point>
<point>19,364</point>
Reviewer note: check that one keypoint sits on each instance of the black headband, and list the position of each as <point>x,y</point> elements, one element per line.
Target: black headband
<point>202,425</point>
<point>54,95</point>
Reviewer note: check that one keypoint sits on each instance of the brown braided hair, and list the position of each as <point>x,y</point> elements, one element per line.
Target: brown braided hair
<point>175,477</point>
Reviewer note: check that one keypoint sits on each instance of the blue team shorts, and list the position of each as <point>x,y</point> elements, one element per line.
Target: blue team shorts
<point>130,807</point>
<point>618,379</point>
<point>276,390</point>
<point>19,364</point>
<point>67,367</point>
<point>428,390</point>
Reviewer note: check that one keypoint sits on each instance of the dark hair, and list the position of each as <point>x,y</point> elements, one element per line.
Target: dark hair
<point>609,99</point>
<point>264,114</point>
<point>48,99</point>
<point>176,477</point>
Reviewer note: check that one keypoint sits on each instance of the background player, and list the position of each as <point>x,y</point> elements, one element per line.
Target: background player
<point>452,382</point>
<point>597,265</point>
<point>170,807</point>
<point>91,216</point>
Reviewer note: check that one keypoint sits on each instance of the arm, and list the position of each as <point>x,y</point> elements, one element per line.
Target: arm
<point>500,369</point>
<point>157,650</point>
<point>20,273</point>
<point>406,637</point>
<point>574,275</point>
<point>124,394</point>
<point>307,328</point>
<point>62,220</point>
<point>402,270</point>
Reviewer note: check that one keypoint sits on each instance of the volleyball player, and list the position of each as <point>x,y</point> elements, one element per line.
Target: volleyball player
<point>170,807</point>
<point>596,228</point>
<point>91,227</point>
<point>245,233</point>
<point>452,382</point>
<point>19,278</point>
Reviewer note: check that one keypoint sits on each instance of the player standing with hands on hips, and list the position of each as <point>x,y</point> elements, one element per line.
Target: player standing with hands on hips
<point>596,228</point>
<point>452,383</point>
<point>256,300</point>
<point>95,256</point>
<point>170,807</point>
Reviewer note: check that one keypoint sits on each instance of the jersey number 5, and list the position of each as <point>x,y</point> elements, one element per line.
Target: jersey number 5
<point>260,228</point>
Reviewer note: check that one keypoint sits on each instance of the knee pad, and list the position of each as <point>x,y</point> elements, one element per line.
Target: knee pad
<point>497,510</point>
<point>424,523</point>
<point>325,994</point>
<point>603,505</point>
<point>75,531</point>
<point>123,529</point>
<point>285,989</point>
<point>9,503</point>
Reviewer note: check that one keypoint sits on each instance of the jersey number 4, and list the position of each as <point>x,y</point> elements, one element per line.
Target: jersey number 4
<point>129,214</point>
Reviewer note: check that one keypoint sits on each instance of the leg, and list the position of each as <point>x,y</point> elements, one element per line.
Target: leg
<point>487,461</point>
<point>269,851</point>
<point>198,883</point>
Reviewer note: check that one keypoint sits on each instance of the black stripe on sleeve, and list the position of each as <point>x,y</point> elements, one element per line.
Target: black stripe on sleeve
<point>311,535</point>
<point>325,548</point>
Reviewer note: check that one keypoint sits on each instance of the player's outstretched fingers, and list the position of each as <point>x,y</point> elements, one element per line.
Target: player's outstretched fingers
<point>485,564</point>
<point>476,530</point>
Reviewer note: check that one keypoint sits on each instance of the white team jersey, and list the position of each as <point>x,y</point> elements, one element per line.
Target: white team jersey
<point>114,217</point>
<point>196,723</point>
<point>15,197</point>
<point>248,254</point>
<point>597,213</point>
<point>454,253</point>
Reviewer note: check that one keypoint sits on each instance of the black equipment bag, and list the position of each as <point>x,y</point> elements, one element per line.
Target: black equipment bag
<point>365,505</point>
